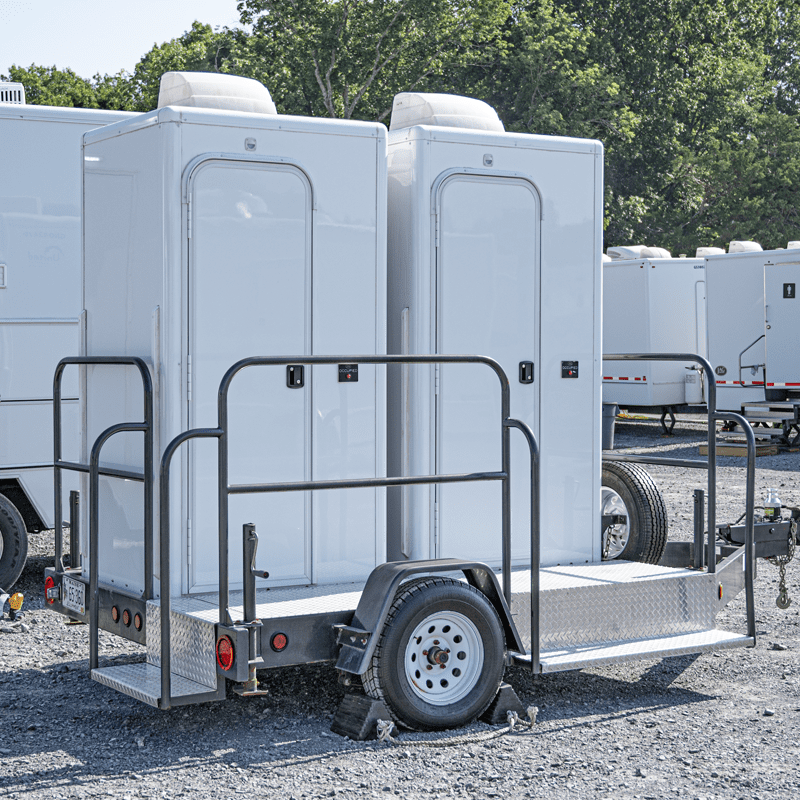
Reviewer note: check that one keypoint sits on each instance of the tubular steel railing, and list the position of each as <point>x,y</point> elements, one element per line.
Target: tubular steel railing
<point>711,465</point>
<point>95,471</point>
<point>225,490</point>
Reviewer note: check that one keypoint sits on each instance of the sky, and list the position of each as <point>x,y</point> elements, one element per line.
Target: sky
<point>98,36</point>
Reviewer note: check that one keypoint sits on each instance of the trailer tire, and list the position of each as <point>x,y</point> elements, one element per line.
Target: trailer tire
<point>440,656</point>
<point>627,488</point>
<point>13,544</point>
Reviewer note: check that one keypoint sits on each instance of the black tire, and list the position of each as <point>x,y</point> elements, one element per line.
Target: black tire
<point>14,544</point>
<point>647,526</point>
<point>438,602</point>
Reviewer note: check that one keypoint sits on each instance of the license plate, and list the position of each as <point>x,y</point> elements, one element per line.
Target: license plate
<point>74,595</point>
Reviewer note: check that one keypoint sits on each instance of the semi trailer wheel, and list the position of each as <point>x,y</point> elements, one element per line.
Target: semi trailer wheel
<point>440,656</point>
<point>13,544</point>
<point>627,490</point>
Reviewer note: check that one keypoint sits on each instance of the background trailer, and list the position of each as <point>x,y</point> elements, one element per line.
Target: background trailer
<point>40,308</point>
<point>653,305</point>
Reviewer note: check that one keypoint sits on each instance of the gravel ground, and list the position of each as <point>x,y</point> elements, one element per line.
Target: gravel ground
<point>721,725</point>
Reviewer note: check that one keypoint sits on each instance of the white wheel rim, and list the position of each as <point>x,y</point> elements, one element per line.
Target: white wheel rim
<point>444,658</point>
<point>615,537</point>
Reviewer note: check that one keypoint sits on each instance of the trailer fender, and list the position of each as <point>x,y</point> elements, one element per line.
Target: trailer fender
<point>359,639</point>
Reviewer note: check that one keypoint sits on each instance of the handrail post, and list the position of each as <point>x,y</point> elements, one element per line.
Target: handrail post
<point>59,544</point>
<point>506,492</point>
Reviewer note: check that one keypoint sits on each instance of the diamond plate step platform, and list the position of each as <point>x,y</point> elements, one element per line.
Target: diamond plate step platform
<point>143,682</point>
<point>600,654</point>
<point>615,602</point>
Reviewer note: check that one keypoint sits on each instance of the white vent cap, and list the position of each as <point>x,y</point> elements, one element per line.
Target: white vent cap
<point>744,247</point>
<point>702,252</point>
<point>12,92</point>
<point>793,246</point>
<point>656,252</point>
<point>443,110</point>
<point>215,90</point>
<point>605,258</point>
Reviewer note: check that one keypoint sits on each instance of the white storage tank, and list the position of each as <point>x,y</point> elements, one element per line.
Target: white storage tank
<point>495,249</point>
<point>214,234</point>
<point>652,304</point>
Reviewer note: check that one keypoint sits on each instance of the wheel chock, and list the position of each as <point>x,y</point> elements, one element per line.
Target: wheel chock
<point>504,701</point>
<point>357,717</point>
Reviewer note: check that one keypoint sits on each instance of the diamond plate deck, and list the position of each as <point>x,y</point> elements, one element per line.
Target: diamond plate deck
<point>614,602</point>
<point>193,640</point>
<point>143,682</point>
<point>617,652</point>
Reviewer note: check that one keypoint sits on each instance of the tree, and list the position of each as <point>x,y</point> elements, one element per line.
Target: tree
<point>347,58</point>
<point>50,86</point>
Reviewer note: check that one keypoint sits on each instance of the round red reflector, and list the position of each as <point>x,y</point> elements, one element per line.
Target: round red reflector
<point>126,618</point>
<point>278,642</point>
<point>49,583</point>
<point>115,613</point>
<point>137,621</point>
<point>225,653</point>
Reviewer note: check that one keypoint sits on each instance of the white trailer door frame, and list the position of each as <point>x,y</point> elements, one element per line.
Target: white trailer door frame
<point>250,294</point>
<point>487,240</point>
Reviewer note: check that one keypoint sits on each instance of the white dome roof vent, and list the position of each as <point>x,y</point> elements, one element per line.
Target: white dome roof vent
<point>793,246</point>
<point>744,247</point>
<point>702,252</point>
<point>215,90</point>
<point>655,252</point>
<point>628,252</point>
<point>443,110</point>
<point>605,257</point>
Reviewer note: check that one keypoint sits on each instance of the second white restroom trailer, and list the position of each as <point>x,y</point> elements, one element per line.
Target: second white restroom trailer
<point>213,235</point>
<point>739,327</point>
<point>652,305</point>
<point>40,305</point>
<point>483,224</point>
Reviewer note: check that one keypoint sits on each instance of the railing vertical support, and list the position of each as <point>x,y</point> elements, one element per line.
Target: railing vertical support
<point>74,530</point>
<point>699,527</point>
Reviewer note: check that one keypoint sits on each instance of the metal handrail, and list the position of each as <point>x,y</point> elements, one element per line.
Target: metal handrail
<point>225,490</point>
<point>711,466</point>
<point>750,366</point>
<point>94,470</point>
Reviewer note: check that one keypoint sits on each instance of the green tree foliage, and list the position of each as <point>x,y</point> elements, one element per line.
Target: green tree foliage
<point>50,86</point>
<point>348,58</point>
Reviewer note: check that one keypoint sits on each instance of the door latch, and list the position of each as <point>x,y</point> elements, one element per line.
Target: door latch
<point>294,376</point>
<point>526,371</point>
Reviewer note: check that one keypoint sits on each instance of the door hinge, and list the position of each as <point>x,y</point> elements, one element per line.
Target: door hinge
<point>189,217</point>
<point>436,379</point>
<point>436,229</point>
<point>189,378</point>
<point>189,542</point>
<point>436,529</point>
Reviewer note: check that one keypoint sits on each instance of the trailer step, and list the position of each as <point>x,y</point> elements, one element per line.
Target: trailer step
<point>615,652</point>
<point>143,682</point>
<point>740,449</point>
<point>760,433</point>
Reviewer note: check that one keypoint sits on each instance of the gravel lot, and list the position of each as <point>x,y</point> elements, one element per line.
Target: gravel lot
<point>719,725</point>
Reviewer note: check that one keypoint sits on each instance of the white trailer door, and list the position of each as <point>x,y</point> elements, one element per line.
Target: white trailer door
<point>782,311</point>
<point>487,304</point>
<point>250,295</point>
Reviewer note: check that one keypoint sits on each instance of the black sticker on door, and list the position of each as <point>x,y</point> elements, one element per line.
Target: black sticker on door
<point>788,291</point>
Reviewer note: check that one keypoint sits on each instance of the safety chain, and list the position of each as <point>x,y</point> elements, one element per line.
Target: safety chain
<point>385,728</point>
<point>783,600</point>
<point>606,543</point>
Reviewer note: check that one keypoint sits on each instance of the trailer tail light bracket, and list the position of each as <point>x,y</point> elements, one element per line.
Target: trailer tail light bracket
<point>231,650</point>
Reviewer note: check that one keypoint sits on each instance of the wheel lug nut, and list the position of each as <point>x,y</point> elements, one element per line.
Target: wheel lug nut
<point>429,667</point>
<point>436,641</point>
<point>443,666</point>
<point>424,652</point>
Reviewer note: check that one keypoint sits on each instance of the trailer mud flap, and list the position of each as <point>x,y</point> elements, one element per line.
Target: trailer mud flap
<point>359,639</point>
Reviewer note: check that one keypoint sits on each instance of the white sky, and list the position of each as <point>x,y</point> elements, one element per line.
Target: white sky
<point>98,36</point>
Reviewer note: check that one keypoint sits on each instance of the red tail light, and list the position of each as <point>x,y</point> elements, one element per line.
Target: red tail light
<point>226,655</point>
<point>126,618</point>
<point>137,621</point>
<point>49,584</point>
<point>278,642</point>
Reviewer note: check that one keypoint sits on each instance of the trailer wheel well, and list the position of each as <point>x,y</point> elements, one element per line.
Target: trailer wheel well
<point>16,494</point>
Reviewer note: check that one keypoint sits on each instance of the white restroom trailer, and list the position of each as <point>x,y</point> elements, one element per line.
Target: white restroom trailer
<point>652,305</point>
<point>40,305</point>
<point>740,328</point>
<point>494,248</point>
<point>230,260</point>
